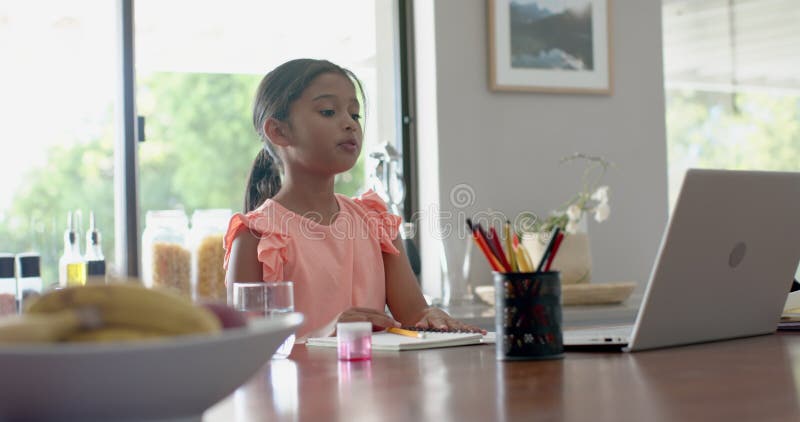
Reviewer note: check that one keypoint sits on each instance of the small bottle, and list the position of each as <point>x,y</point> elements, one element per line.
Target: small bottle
<point>71,267</point>
<point>8,285</point>
<point>354,340</point>
<point>95,262</point>
<point>29,283</point>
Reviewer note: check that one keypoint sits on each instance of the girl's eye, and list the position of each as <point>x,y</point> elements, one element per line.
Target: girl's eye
<point>356,116</point>
<point>327,113</point>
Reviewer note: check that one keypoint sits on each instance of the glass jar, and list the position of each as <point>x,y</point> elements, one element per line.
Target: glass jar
<point>166,261</point>
<point>208,253</point>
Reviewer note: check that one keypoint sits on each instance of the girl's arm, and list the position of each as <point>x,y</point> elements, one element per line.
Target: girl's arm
<point>243,263</point>
<point>404,296</point>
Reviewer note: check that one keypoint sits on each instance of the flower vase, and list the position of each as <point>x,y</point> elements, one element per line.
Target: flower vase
<point>573,260</point>
<point>456,274</point>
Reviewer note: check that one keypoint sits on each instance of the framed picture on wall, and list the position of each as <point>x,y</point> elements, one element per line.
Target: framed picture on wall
<point>550,46</point>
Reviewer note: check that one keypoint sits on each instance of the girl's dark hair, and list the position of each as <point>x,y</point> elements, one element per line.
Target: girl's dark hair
<point>275,94</point>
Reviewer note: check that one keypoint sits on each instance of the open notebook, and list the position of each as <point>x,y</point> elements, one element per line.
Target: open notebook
<point>396,342</point>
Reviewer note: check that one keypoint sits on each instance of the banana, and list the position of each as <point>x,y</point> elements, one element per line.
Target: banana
<point>113,334</point>
<point>38,328</point>
<point>132,306</point>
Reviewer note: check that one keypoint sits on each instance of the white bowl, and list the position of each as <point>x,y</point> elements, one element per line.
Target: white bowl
<point>176,378</point>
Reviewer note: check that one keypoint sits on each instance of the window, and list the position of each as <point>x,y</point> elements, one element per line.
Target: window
<point>732,87</point>
<point>58,81</point>
<point>195,83</point>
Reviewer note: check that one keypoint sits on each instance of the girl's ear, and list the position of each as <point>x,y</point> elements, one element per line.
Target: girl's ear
<point>276,131</point>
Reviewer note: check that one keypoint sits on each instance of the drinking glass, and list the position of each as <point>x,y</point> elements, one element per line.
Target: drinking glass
<point>250,299</point>
<point>280,301</point>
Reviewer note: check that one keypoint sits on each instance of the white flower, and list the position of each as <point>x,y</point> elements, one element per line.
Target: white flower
<point>572,227</point>
<point>574,213</point>
<point>601,212</point>
<point>601,194</point>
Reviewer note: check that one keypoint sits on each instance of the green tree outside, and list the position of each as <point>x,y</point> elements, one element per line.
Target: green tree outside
<point>746,131</point>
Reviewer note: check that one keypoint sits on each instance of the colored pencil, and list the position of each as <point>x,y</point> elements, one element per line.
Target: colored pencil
<point>486,237</point>
<point>521,262</point>
<point>554,252</point>
<point>484,247</point>
<point>527,258</point>
<point>407,333</point>
<point>549,249</point>
<point>499,250</point>
<point>512,259</point>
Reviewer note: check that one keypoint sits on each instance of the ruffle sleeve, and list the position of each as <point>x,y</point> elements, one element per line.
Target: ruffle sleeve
<point>383,225</point>
<point>272,253</point>
<point>272,249</point>
<point>237,223</point>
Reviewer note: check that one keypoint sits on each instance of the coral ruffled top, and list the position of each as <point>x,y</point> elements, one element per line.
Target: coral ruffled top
<point>333,267</point>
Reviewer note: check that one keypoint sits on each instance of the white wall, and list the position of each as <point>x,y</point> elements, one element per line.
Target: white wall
<point>506,146</point>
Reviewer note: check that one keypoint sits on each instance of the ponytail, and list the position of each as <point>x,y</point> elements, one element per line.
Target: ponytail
<point>264,181</point>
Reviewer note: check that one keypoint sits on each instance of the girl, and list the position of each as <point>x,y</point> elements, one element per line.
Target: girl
<point>343,255</point>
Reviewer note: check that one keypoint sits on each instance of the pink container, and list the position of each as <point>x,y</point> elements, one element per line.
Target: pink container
<point>354,340</point>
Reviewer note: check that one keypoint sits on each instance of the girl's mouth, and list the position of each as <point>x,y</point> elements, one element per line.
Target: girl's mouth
<point>349,146</point>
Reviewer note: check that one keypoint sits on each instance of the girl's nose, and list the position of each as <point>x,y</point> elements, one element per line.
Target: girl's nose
<point>350,123</point>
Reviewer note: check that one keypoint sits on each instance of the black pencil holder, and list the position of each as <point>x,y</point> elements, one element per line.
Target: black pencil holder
<point>528,316</point>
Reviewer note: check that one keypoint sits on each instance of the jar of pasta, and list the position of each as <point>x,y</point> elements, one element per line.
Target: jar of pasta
<point>166,260</point>
<point>208,253</point>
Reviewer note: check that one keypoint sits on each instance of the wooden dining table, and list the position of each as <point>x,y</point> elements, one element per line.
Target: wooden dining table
<point>749,379</point>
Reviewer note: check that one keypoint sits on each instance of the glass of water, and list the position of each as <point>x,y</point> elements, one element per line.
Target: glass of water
<point>279,301</point>
<point>250,299</point>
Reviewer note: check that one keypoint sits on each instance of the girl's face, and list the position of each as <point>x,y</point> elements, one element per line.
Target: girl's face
<point>324,131</point>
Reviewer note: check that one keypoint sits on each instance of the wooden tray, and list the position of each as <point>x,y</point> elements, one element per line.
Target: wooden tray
<point>596,294</point>
<point>578,294</point>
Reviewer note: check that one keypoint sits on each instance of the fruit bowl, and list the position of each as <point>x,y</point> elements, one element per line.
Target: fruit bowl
<point>172,378</point>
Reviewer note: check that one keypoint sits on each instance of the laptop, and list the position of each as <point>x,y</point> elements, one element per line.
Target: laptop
<point>725,265</point>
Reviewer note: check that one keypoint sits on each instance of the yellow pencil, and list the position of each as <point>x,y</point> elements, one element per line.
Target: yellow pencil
<point>407,333</point>
<point>527,258</point>
<point>521,263</point>
<point>509,247</point>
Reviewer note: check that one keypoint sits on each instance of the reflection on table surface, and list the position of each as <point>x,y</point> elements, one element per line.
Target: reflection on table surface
<point>746,379</point>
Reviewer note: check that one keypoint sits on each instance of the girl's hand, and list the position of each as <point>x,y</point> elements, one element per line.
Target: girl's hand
<point>435,318</point>
<point>377,318</point>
